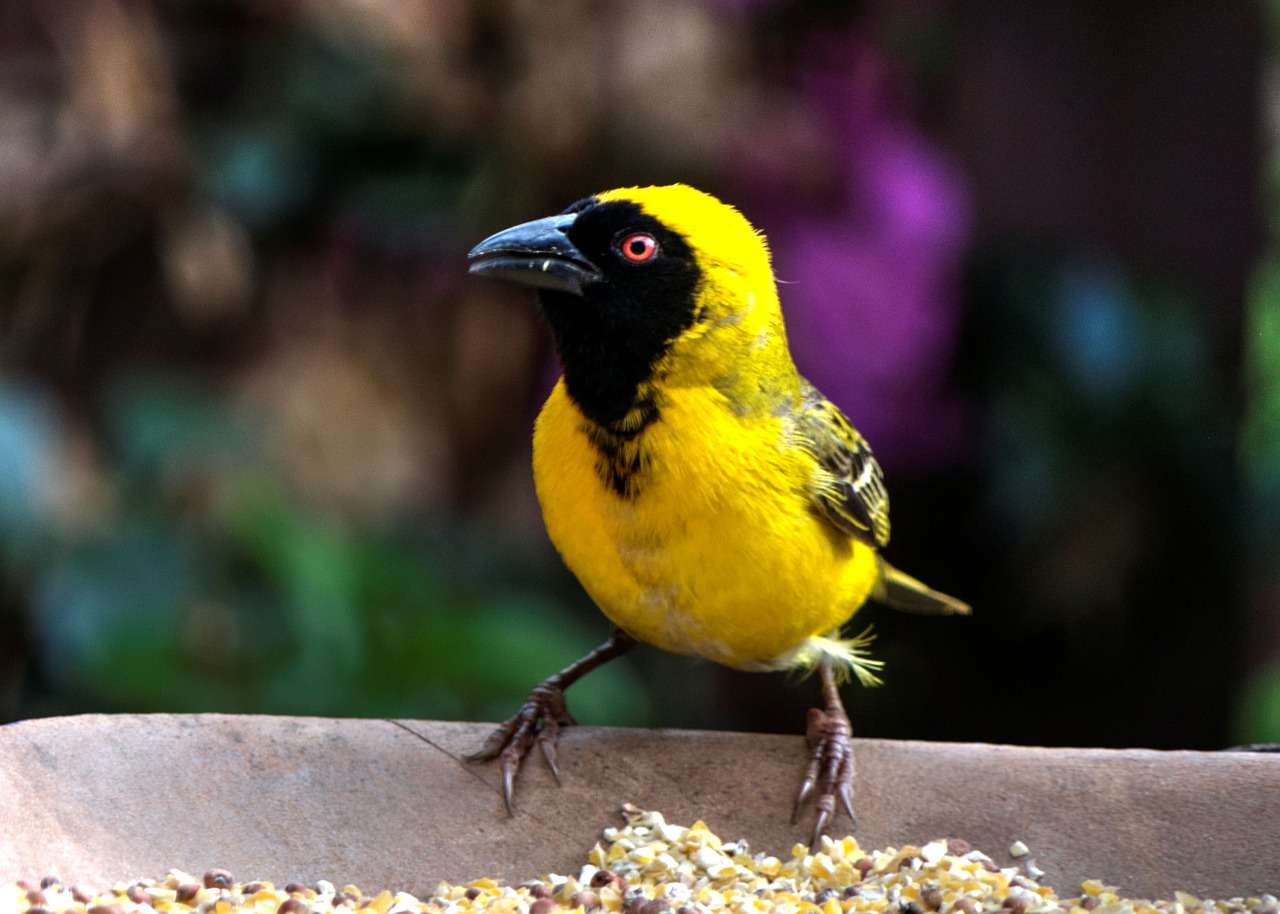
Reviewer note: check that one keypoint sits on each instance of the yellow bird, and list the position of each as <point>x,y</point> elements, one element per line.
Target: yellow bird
<point>709,499</point>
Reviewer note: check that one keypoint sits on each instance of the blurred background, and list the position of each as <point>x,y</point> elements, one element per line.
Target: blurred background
<point>264,445</point>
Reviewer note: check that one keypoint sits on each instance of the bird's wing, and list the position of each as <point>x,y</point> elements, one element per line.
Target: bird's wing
<point>848,490</point>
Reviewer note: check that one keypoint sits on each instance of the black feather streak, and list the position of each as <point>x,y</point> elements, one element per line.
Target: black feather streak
<point>611,338</point>
<point>623,457</point>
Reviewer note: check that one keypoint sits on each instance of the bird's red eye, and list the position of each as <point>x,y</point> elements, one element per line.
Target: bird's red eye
<point>639,248</point>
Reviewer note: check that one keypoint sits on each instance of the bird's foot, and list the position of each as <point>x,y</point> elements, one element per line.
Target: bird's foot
<point>538,721</point>
<point>829,773</point>
<point>543,714</point>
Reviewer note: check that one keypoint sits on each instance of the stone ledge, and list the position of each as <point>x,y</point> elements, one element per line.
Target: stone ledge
<point>390,804</point>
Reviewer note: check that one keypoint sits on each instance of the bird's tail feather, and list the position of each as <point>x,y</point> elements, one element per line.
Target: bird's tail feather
<point>901,591</point>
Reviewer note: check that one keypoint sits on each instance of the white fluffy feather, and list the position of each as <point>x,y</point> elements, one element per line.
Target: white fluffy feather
<point>846,655</point>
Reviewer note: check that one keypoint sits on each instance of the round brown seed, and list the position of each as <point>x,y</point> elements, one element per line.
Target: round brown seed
<point>931,897</point>
<point>1016,904</point>
<point>543,906</point>
<point>218,879</point>
<point>293,905</point>
<point>608,877</point>
<point>138,895</point>
<point>187,892</point>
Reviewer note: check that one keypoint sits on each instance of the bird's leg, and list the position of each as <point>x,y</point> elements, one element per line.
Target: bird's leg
<point>542,715</point>
<point>830,768</point>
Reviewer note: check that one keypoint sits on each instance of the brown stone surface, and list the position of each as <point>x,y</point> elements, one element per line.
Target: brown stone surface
<point>389,804</point>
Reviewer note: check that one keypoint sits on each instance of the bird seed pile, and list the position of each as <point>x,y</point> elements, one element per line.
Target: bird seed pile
<point>652,867</point>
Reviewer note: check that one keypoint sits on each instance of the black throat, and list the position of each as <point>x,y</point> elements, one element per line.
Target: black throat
<point>611,337</point>
<point>605,365</point>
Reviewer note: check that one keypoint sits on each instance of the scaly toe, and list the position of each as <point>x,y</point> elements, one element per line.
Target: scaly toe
<point>539,721</point>
<point>829,772</point>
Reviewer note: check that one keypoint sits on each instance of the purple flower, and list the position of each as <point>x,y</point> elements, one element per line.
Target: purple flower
<point>868,223</point>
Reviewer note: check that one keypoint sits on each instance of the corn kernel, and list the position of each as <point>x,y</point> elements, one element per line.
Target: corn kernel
<point>661,866</point>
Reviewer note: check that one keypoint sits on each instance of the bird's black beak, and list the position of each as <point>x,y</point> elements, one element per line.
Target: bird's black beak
<point>537,254</point>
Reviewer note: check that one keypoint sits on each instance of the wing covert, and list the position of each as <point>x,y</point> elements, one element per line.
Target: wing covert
<point>848,491</point>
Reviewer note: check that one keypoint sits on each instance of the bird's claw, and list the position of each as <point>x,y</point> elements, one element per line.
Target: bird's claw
<point>830,768</point>
<point>539,721</point>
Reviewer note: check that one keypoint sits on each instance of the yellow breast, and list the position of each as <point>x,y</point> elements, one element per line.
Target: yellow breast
<point>713,550</point>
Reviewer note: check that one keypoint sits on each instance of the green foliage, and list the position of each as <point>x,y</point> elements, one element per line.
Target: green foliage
<point>1260,437</point>
<point>1258,716</point>
<point>207,586</point>
<point>1093,371</point>
<point>322,130</point>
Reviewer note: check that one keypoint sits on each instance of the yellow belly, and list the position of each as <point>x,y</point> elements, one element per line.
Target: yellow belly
<point>718,555</point>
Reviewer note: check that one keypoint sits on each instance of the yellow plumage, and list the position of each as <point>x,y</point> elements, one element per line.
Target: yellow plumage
<point>721,555</point>
<point>710,500</point>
